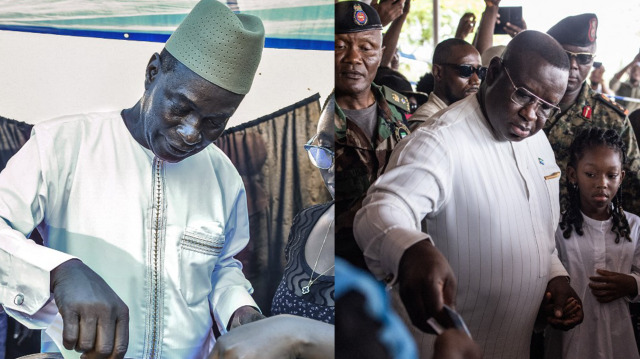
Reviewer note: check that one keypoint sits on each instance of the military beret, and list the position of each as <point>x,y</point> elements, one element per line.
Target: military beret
<point>356,16</point>
<point>578,30</point>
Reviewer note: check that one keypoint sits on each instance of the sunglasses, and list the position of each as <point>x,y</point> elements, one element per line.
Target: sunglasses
<point>466,71</point>
<point>523,97</point>
<point>319,156</point>
<point>583,58</point>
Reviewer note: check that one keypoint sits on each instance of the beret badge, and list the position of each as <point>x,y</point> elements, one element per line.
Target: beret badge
<point>593,26</point>
<point>359,16</point>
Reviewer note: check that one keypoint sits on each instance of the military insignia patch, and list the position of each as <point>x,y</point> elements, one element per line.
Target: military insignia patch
<point>586,112</point>
<point>593,27</point>
<point>401,133</point>
<point>397,99</point>
<point>614,105</point>
<point>359,16</point>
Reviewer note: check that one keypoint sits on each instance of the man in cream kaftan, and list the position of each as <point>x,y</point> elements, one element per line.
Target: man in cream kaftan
<point>140,213</point>
<point>163,231</point>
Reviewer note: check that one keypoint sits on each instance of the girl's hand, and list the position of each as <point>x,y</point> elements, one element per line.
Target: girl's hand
<point>610,286</point>
<point>561,305</point>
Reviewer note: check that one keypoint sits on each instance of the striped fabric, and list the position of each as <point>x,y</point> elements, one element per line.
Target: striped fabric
<point>489,210</point>
<point>303,24</point>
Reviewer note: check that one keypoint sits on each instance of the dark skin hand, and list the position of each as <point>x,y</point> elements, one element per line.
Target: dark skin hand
<point>426,283</point>
<point>21,333</point>
<point>561,305</point>
<point>455,344</point>
<point>466,25</point>
<point>388,10</point>
<point>609,286</point>
<point>512,29</point>
<point>243,315</point>
<point>95,319</point>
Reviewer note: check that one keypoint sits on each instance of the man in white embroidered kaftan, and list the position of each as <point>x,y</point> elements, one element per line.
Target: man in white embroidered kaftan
<point>141,216</point>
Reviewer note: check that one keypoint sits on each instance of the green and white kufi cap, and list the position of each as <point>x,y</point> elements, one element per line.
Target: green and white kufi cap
<point>219,45</point>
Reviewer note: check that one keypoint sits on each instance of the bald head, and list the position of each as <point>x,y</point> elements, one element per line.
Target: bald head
<point>529,44</point>
<point>443,50</point>
<point>454,65</point>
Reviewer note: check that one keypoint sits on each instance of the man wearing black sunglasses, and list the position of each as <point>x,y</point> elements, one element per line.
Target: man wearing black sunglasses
<point>581,106</point>
<point>457,72</point>
<point>483,176</point>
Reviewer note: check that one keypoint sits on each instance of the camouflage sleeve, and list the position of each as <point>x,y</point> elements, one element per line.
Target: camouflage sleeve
<point>631,184</point>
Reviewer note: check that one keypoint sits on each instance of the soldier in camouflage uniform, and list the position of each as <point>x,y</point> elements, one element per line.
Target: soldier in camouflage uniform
<point>369,119</point>
<point>582,107</point>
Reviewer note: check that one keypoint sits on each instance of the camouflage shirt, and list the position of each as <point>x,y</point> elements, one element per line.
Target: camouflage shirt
<point>359,161</point>
<point>594,109</point>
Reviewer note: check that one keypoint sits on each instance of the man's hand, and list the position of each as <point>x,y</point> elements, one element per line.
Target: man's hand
<point>466,25</point>
<point>455,344</point>
<point>596,74</point>
<point>243,315</point>
<point>388,10</point>
<point>512,29</point>
<point>426,283</point>
<point>95,320</point>
<point>491,3</point>
<point>282,336</point>
<point>21,333</point>
<point>610,286</point>
<point>561,305</point>
<point>407,8</point>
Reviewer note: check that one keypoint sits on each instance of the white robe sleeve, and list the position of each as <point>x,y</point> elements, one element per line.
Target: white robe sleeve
<point>25,266</point>
<point>231,290</point>
<point>557,268</point>
<point>417,182</point>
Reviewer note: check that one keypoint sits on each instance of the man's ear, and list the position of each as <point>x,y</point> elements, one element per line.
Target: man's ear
<point>437,72</point>
<point>153,67</point>
<point>495,67</point>
<point>381,55</point>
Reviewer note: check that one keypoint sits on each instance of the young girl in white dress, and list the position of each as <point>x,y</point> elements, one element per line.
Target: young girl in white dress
<point>598,245</point>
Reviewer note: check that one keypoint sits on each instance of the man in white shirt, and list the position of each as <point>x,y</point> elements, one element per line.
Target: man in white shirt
<point>457,73</point>
<point>487,183</point>
<point>140,217</point>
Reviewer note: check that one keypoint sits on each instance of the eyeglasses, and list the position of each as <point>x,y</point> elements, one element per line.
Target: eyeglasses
<point>523,97</point>
<point>583,58</point>
<point>466,71</point>
<point>319,156</point>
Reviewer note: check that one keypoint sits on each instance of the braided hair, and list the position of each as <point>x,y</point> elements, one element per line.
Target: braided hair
<point>572,217</point>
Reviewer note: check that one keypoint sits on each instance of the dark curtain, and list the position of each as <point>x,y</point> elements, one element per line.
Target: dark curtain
<point>279,181</point>
<point>13,135</point>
